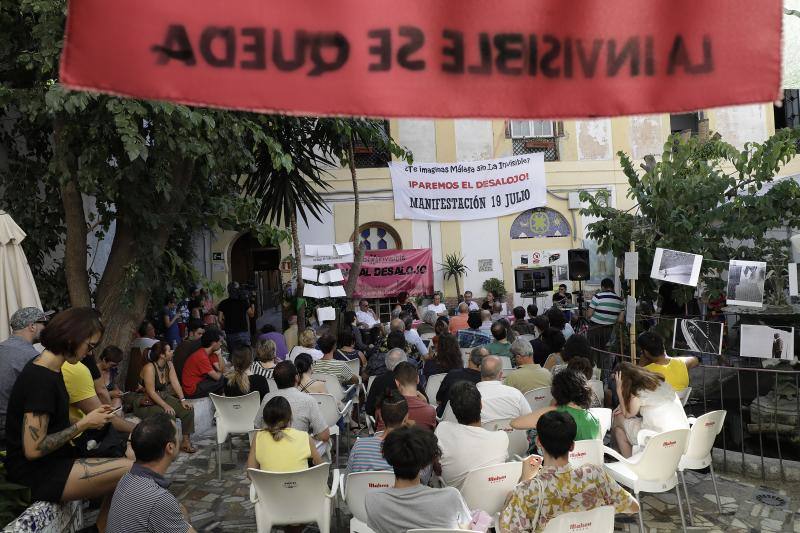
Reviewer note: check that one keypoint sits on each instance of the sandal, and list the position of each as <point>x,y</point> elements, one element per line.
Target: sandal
<point>188,448</point>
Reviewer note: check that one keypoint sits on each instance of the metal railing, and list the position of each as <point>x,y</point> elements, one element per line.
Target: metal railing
<point>769,422</point>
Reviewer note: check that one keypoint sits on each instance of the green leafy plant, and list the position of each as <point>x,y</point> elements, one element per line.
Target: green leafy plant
<point>495,285</point>
<point>706,197</point>
<point>454,268</point>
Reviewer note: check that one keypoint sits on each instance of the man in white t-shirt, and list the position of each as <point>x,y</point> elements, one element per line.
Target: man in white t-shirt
<point>365,316</point>
<point>500,402</point>
<point>437,306</point>
<point>473,306</point>
<point>466,445</point>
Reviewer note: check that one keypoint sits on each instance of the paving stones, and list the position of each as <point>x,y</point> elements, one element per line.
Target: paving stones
<point>223,506</point>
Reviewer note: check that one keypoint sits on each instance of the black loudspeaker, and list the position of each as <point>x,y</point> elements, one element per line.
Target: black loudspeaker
<point>578,260</point>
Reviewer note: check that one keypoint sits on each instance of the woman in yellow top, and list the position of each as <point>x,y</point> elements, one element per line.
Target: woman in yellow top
<point>279,447</point>
<point>674,369</point>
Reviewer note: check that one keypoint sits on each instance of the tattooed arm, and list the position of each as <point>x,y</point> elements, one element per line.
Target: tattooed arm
<point>36,442</point>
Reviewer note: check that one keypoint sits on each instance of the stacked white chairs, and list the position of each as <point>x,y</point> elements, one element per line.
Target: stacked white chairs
<point>603,414</point>
<point>654,469</point>
<point>354,488</point>
<point>517,438</point>
<point>284,498</point>
<point>329,408</point>
<point>235,415</point>
<point>432,387</point>
<point>597,520</point>
<point>702,435</point>
<point>486,488</point>
<point>539,398</point>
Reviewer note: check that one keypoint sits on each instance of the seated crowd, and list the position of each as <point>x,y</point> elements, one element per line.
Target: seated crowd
<point>65,440</point>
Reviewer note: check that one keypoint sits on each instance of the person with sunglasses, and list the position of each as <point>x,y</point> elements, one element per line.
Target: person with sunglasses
<point>39,432</point>
<point>15,352</point>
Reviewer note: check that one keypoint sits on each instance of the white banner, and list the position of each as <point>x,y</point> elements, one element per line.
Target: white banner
<point>468,191</point>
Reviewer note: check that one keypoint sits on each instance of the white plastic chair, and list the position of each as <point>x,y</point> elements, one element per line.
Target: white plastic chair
<point>598,520</point>
<point>597,389</point>
<point>427,336</point>
<point>603,414</point>
<point>448,415</point>
<point>354,490</point>
<point>333,385</point>
<point>434,530</point>
<point>235,415</point>
<point>486,488</point>
<point>702,435</point>
<point>302,497</point>
<point>369,382</point>
<point>273,387</point>
<point>539,398</point>
<point>587,452</point>
<point>432,387</point>
<point>506,362</point>
<point>517,439</point>
<point>683,395</point>
<point>355,366</point>
<point>329,408</point>
<point>654,469</point>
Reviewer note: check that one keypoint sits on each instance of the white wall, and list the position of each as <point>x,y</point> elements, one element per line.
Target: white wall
<point>419,136</point>
<point>480,239</point>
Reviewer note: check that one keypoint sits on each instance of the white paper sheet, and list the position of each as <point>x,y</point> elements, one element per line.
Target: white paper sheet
<point>793,280</point>
<point>315,291</point>
<point>326,313</point>
<point>631,265</point>
<point>344,248</point>
<point>630,310</point>
<point>312,250</point>
<point>325,250</point>
<point>331,276</point>
<point>337,291</point>
<point>310,274</point>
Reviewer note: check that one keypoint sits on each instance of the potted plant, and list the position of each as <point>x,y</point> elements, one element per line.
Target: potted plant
<point>454,268</point>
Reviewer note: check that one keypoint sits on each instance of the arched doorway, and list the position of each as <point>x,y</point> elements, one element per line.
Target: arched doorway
<point>257,269</point>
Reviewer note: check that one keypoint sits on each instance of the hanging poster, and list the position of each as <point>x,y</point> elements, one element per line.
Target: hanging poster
<point>386,273</point>
<point>468,191</point>
<point>746,283</point>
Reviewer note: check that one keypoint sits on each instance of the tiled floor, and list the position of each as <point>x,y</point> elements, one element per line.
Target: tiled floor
<point>224,506</point>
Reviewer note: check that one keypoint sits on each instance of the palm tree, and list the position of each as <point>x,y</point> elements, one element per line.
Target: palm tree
<point>291,185</point>
<point>454,267</point>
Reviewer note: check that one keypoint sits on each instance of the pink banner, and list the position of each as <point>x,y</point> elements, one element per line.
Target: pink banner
<point>386,273</point>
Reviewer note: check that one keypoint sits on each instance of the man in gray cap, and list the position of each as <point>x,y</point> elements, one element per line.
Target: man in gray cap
<point>15,352</point>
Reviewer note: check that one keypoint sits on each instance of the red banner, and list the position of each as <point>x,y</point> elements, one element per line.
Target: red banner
<point>386,273</point>
<point>444,58</point>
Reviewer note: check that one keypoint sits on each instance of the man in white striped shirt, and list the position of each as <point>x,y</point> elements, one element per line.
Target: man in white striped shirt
<point>141,502</point>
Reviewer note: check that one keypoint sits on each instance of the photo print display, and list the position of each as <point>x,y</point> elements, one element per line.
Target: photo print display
<point>697,336</point>
<point>766,342</point>
<point>746,283</point>
<point>676,267</point>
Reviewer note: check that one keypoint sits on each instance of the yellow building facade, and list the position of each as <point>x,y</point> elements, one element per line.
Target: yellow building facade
<point>583,157</point>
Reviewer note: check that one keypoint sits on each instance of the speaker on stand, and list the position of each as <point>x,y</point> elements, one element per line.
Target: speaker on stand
<point>578,267</point>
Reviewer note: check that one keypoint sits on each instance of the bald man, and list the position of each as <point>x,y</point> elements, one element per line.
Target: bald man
<point>500,402</point>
